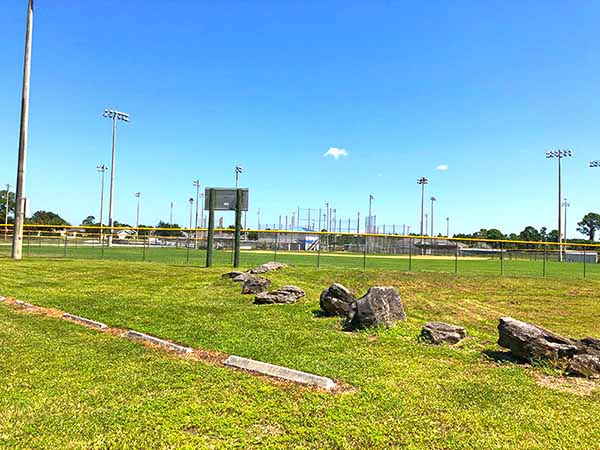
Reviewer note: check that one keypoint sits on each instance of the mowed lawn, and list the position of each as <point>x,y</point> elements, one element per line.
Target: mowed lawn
<point>66,386</point>
<point>510,265</point>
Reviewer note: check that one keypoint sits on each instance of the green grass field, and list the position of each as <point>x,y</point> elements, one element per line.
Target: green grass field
<point>464,265</point>
<point>66,386</point>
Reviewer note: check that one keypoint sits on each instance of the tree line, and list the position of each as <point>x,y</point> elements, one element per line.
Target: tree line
<point>588,226</point>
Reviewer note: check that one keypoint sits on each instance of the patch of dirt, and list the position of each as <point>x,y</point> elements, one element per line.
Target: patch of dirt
<point>267,429</point>
<point>571,385</point>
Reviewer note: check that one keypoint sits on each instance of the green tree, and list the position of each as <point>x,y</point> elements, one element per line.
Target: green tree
<point>46,218</point>
<point>589,225</point>
<point>530,234</point>
<point>174,232</point>
<point>11,205</point>
<point>89,221</point>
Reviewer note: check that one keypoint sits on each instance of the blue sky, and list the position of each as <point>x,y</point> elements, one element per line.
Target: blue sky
<point>482,87</point>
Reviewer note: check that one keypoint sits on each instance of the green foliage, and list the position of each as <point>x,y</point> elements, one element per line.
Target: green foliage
<point>11,206</point>
<point>169,233</point>
<point>46,218</point>
<point>89,221</point>
<point>589,225</point>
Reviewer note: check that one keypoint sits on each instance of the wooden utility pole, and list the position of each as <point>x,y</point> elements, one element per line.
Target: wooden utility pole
<point>17,247</point>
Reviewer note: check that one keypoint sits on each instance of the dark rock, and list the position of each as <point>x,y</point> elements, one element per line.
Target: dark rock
<point>592,344</point>
<point>585,365</point>
<point>336,300</point>
<point>440,332</point>
<point>284,295</point>
<point>233,275</point>
<point>255,285</point>
<point>530,343</point>
<point>243,276</point>
<point>267,267</point>
<point>379,306</point>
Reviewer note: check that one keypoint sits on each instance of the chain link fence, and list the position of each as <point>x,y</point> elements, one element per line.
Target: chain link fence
<point>312,249</point>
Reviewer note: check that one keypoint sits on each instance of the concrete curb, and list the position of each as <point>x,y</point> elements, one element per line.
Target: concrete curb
<point>280,372</point>
<point>24,304</point>
<point>132,334</point>
<point>91,323</point>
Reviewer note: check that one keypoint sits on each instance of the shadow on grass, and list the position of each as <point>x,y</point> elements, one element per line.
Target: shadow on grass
<point>320,313</point>
<point>501,356</point>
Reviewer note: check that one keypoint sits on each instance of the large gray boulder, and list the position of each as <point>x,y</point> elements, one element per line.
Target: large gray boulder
<point>235,276</point>
<point>440,332</point>
<point>379,306</point>
<point>255,285</point>
<point>336,300</point>
<point>586,365</point>
<point>529,342</point>
<point>267,267</point>
<point>284,295</point>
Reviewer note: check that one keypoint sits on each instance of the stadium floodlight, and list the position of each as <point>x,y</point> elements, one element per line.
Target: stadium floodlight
<point>559,155</point>
<point>102,169</point>
<point>137,216</point>
<point>595,163</point>
<point>115,116</point>
<point>238,171</point>
<point>422,181</point>
<point>433,200</point>
<point>370,219</point>
<point>118,115</point>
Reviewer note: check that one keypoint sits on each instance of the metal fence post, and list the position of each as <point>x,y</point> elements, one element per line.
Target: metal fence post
<point>545,256</point>
<point>584,262</point>
<point>276,244</point>
<point>144,251</point>
<point>410,247</point>
<point>65,250</point>
<point>319,250</point>
<point>456,258</point>
<point>365,253</point>
<point>211,227</point>
<point>501,258</point>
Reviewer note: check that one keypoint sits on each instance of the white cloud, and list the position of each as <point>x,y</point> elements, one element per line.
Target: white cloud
<point>442,167</point>
<point>336,152</point>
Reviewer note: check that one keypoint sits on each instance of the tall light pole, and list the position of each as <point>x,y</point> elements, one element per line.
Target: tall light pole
<point>17,244</point>
<point>191,201</point>
<point>559,154</point>
<point>197,186</point>
<point>565,205</point>
<point>102,169</point>
<point>370,219</point>
<point>422,181</point>
<point>447,226</point>
<point>171,218</point>
<point>137,217</point>
<point>238,171</point>
<point>114,115</point>
<point>433,200</point>
<point>6,211</point>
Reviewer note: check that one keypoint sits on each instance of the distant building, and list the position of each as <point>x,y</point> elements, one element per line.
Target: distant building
<point>579,256</point>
